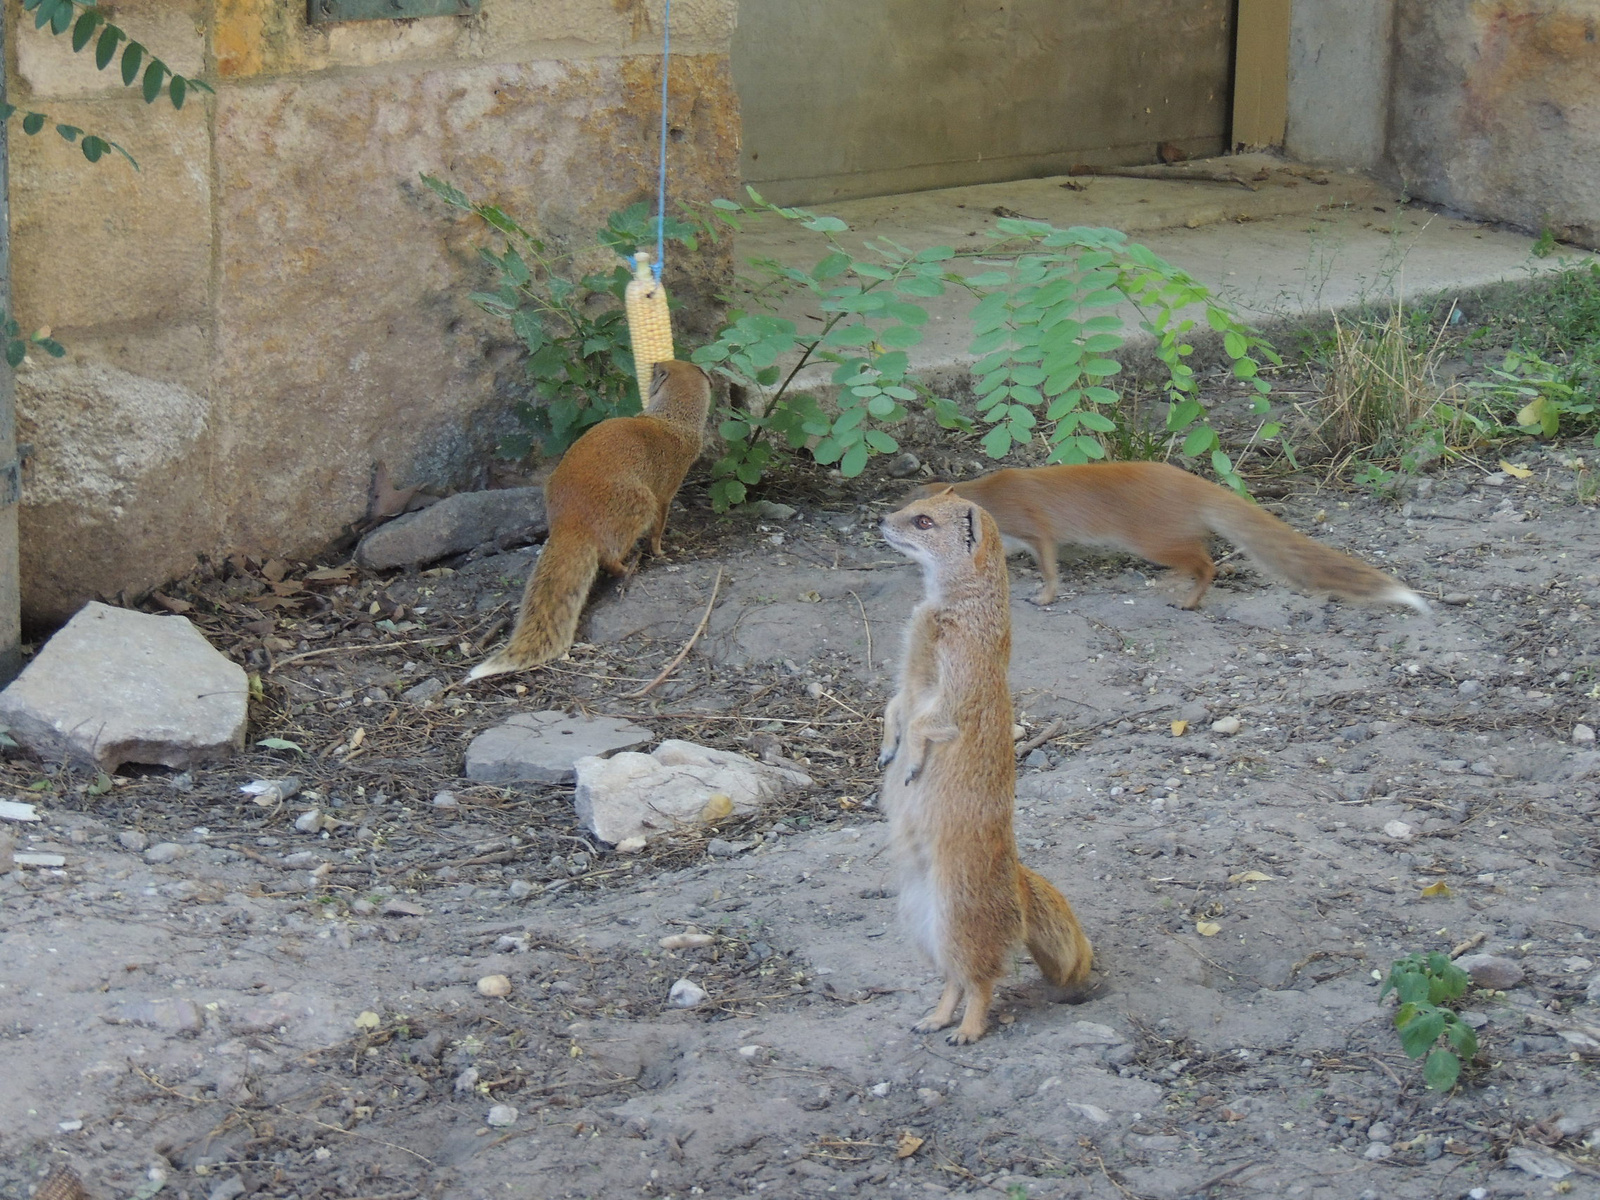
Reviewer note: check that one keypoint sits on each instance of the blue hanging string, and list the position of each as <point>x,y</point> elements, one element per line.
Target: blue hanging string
<point>661,178</point>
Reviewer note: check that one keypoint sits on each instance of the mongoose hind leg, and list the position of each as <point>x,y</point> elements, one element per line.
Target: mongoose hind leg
<point>1190,558</point>
<point>1045,552</point>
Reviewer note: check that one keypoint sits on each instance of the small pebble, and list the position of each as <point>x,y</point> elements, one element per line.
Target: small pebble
<point>70,1126</point>
<point>520,889</point>
<point>1583,735</point>
<point>903,465</point>
<point>133,839</point>
<point>309,821</point>
<point>494,985</point>
<point>1491,971</point>
<point>686,993</point>
<point>1398,830</point>
<point>1379,1132</point>
<point>1379,1150</point>
<point>749,1051</point>
<point>630,845</point>
<point>686,941</point>
<point>164,852</point>
<point>1226,726</point>
<point>446,800</point>
<point>1037,759</point>
<point>466,1081</point>
<point>1469,687</point>
<point>502,1115</point>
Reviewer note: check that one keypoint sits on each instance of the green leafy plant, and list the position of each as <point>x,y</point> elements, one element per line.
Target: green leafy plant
<point>84,20</point>
<point>1541,398</point>
<point>17,345</point>
<point>570,322</point>
<point>1045,325</point>
<point>1423,985</point>
<point>138,67</point>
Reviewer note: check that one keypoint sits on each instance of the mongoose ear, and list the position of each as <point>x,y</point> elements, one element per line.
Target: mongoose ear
<point>949,489</point>
<point>660,374</point>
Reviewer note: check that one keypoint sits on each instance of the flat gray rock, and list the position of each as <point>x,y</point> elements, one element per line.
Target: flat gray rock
<point>118,686</point>
<point>542,747</point>
<point>454,525</point>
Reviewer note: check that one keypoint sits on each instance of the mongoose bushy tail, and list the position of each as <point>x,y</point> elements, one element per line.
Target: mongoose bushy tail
<point>614,486</point>
<point>1291,556</point>
<point>1051,931</point>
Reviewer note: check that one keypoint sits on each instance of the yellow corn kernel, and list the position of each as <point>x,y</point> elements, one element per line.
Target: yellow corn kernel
<point>649,324</point>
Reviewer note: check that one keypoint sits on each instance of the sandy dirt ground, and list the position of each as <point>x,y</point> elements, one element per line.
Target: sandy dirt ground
<point>209,1003</point>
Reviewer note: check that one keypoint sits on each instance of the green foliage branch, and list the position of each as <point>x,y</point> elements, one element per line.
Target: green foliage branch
<point>1424,984</point>
<point>1045,326</point>
<point>571,324</point>
<point>138,67</point>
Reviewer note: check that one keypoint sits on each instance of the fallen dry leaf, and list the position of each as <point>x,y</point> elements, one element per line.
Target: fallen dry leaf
<point>1512,469</point>
<point>1207,928</point>
<point>368,1020</point>
<point>1249,877</point>
<point>170,604</point>
<point>1179,728</point>
<point>718,805</point>
<point>907,1145</point>
<point>1439,889</point>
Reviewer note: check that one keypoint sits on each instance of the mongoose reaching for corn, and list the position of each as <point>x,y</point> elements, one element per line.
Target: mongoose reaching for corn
<point>950,785</point>
<point>1163,514</point>
<point>613,486</point>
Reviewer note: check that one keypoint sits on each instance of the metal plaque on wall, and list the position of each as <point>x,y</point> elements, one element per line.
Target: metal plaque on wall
<point>326,12</point>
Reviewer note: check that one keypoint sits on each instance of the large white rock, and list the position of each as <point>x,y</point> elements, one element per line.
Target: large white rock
<point>118,686</point>
<point>643,795</point>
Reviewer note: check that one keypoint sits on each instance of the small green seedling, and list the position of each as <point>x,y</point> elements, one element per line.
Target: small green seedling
<point>1423,983</point>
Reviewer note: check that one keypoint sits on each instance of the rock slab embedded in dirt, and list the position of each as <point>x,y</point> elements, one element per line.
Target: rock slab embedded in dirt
<point>1491,971</point>
<point>639,795</point>
<point>543,746</point>
<point>118,686</point>
<point>454,525</point>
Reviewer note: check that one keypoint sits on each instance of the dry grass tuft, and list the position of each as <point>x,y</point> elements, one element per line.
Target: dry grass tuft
<point>1382,391</point>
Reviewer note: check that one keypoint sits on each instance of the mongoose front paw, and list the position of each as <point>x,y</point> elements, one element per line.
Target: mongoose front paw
<point>886,756</point>
<point>958,1038</point>
<point>913,772</point>
<point>928,1025</point>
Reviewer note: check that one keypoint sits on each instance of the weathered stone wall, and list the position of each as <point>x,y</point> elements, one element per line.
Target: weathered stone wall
<point>1340,57</point>
<point>1496,110</point>
<point>273,302</point>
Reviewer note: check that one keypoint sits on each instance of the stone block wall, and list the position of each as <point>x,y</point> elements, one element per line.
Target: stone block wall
<point>1496,110</point>
<point>273,302</point>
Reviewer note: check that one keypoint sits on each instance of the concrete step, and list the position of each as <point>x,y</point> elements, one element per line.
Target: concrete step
<point>1303,244</point>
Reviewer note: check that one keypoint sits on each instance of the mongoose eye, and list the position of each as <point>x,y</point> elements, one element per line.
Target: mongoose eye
<point>923,522</point>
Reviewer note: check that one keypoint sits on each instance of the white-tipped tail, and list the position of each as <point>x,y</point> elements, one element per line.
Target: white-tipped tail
<point>491,666</point>
<point>1400,594</point>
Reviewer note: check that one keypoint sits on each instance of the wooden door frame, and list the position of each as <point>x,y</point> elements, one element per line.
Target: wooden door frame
<point>1260,73</point>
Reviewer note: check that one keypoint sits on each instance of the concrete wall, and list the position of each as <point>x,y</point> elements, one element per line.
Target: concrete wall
<point>1496,110</point>
<point>846,98</point>
<point>1340,60</point>
<point>273,303</point>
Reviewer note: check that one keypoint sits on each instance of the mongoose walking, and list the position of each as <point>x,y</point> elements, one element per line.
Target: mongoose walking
<point>950,785</point>
<point>1163,514</point>
<point>613,486</point>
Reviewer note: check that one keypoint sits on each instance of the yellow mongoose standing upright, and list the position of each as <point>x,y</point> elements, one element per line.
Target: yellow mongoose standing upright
<point>951,781</point>
<point>614,485</point>
<point>1164,514</point>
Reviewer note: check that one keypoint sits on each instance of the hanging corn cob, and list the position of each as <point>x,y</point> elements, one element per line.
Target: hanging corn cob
<point>649,324</point>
